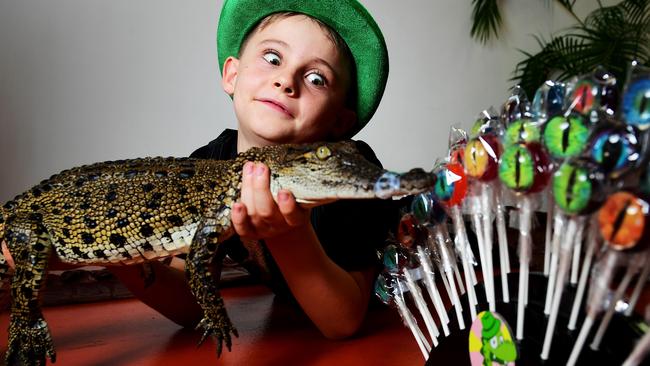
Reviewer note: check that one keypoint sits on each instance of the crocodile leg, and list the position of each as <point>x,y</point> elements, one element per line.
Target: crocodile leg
<point>29,335</point>
<point>204,258</point>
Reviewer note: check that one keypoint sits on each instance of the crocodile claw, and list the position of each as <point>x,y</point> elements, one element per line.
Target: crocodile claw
<point>29,344</point>
<point>219,330</point>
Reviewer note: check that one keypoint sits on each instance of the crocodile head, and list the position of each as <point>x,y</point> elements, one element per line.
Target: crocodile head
<point>324,172</point>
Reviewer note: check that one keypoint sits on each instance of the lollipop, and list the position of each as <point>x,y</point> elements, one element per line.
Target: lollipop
<point>616,148</point>
<point>622,226</point>
<point>437,238</point>
<point>641,349</point>
<point>594,93</point>
<point>564,137</point>
<point>450,190</point>
<point>490,341</point>
<point>576,193</point>
<point>397,261</point>
<point>548,100</point>
<point>388,293</point>
<point>481,163</point>
<point>516,107</point>
<point>636,98</point>
<point>524,168</point>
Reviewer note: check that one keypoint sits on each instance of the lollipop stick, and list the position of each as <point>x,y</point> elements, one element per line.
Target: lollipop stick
<point>444,254</point>
<point>604,323</point>
<point>476,222</point>
<point>641,281</point>
<point>410,322</point>
<point>453,259</point>
<point>639,352</point>
<point>558,223</point>
<point>421,306</point>
<point>566,252</point>
<point>504,260</point>
<point>525,215</point>
<point>592,242</point>
<point>487,240</point>
<point>577,249</point>
<point>580,341</point>
<point>550,206</point>
<point>457,219</point>
<point>598,291</point>
<point>433,290</point>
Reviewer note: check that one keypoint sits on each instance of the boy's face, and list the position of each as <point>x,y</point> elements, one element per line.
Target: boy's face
<point>289,85</point>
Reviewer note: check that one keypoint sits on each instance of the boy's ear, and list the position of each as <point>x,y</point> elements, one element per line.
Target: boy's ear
<point>229,76</point>
<point>346,119</point>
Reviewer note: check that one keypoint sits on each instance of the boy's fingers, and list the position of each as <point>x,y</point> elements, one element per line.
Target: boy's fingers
<point>293,214</point>
<point>263,201</point>
<point>240,220</point>
<point>247,194</point>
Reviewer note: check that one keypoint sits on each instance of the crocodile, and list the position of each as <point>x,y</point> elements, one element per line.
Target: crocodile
<point>132,211</point>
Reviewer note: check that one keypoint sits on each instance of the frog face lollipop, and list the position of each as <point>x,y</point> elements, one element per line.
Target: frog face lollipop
<point>565,136</point>
<point>525,168</point>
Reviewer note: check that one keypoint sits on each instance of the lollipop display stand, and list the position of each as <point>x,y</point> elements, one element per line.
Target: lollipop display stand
<point>580,157</point>
<point>622,334</point>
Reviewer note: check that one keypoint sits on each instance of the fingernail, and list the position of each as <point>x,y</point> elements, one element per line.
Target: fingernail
<point>283,196</point>
<point>248,168</point>
<point>259,169</point>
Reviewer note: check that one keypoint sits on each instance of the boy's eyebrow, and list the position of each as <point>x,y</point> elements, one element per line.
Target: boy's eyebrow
<point>285,44</point>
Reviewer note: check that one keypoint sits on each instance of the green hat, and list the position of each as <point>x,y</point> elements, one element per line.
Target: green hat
<point>490,325</point>
<point>347,17</point>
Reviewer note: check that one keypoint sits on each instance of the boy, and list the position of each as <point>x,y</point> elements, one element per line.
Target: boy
<point>297,71</point>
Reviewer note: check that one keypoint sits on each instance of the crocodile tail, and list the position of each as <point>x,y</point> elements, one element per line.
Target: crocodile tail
<point>5,270</point>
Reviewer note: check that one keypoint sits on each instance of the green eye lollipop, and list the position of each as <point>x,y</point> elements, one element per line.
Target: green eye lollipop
<point>576,185</point>
<point>522,130</point>
<point>565,137</point>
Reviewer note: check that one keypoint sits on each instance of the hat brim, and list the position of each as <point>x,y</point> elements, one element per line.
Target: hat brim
<point>347,17</point>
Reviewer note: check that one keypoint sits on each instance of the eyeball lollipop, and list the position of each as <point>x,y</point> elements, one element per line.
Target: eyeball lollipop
<point>516,107</point>
<point>616,148</point>
<point>548,100</point>
<point>482,157</point>
<point>577,187</point>
<point>565,136</point>
<point>522,130</point>
<point>525,168</point>
<point>595,92</point>
<point>451,186</point>
<point>636,102</point>
<point>622,220</point>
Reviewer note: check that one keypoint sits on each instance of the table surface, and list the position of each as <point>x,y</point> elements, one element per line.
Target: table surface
<point>271,332</point>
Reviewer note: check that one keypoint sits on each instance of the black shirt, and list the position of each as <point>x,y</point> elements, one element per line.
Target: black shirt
<point>350,231</point>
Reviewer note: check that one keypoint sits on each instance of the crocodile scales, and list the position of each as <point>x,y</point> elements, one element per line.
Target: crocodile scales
<point>130,211</point>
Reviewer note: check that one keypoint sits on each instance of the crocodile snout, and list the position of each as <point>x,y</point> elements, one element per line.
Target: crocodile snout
<point>414,181</point>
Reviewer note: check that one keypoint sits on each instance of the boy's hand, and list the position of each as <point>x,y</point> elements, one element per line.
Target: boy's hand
<point>258,215</point>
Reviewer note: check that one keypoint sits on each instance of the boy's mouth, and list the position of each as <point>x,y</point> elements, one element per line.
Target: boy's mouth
<point>274,104</point>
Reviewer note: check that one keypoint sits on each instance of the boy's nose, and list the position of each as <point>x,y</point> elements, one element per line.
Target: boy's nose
<point>285,85</point>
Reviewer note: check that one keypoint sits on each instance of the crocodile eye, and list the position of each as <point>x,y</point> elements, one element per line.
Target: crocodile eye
<point>615,149</point>
<point>636,103</point>
<point>622,220</point>
<point>517,168</point>
<point>582,98</point>
<point>481,156</point>
<point>565,137</point>
<point>323,152</point>
<point>572,188</point>
<point>521,130</point>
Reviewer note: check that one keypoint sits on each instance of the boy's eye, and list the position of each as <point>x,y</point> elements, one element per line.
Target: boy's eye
<point>272,58</point>
<point>316,79</point>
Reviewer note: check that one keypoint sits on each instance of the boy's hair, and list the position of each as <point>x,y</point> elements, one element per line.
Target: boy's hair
<point>337,40</point>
